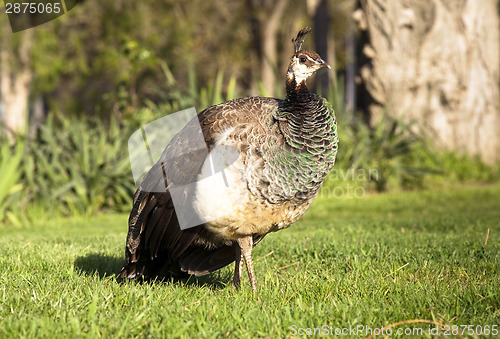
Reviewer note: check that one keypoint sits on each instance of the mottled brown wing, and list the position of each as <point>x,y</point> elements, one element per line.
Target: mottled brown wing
<point>156,245</point>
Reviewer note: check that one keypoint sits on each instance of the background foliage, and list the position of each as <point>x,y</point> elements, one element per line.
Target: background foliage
<point>75,166</point>
<point>108,67</point>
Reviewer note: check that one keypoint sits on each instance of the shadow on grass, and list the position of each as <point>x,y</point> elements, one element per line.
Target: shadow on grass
<point>104,266</point>
<point>99,264</point>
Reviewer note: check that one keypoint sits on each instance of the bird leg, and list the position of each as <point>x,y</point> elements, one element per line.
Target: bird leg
<point>238,268</point>
<point>246,245</point>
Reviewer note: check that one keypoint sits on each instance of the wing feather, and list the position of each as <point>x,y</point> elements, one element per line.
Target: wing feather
<point>156,245</point>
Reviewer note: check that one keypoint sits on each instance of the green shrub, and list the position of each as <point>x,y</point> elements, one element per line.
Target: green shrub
<point>11,186</point>
<point>176,99</point>
<point>79,166</point>
<point>395,150</point>
<point>391,155</point>
<point>465,169</point>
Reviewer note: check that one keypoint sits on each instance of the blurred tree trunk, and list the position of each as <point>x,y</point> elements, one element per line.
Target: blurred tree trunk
<point>37,115</point>
<point>323,43</point>
<point>437,62</point>
<point>15,79</point>
<point>266,17</point>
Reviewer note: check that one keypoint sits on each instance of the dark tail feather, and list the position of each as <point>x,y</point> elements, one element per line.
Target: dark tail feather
<point>200,261</point>
<point>132,269</point>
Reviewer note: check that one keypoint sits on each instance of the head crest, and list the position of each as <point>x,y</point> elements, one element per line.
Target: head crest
<point>297,42</point>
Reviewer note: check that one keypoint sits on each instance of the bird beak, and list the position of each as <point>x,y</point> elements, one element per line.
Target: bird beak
<point>321,63</point>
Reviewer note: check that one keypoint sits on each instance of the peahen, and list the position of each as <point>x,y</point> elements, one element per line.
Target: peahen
<point>285,149</point>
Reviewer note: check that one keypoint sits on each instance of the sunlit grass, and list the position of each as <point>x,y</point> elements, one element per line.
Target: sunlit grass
<point>374,261</point>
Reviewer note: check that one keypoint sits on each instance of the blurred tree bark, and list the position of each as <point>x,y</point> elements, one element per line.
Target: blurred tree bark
<point>324,45</point>
<point>15,78</point>
<point>436,62</point>
<point>265,19</point>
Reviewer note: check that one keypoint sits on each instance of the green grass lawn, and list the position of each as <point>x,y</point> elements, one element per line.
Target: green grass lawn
<point>370,262</point>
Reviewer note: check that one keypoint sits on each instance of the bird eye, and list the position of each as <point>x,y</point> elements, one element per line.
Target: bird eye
<point>302,60</point>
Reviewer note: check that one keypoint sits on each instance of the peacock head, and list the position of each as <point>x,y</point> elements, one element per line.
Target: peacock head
<point>304,63</point>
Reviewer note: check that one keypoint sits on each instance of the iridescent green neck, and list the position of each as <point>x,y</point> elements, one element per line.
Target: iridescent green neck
<point>300,165</point>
